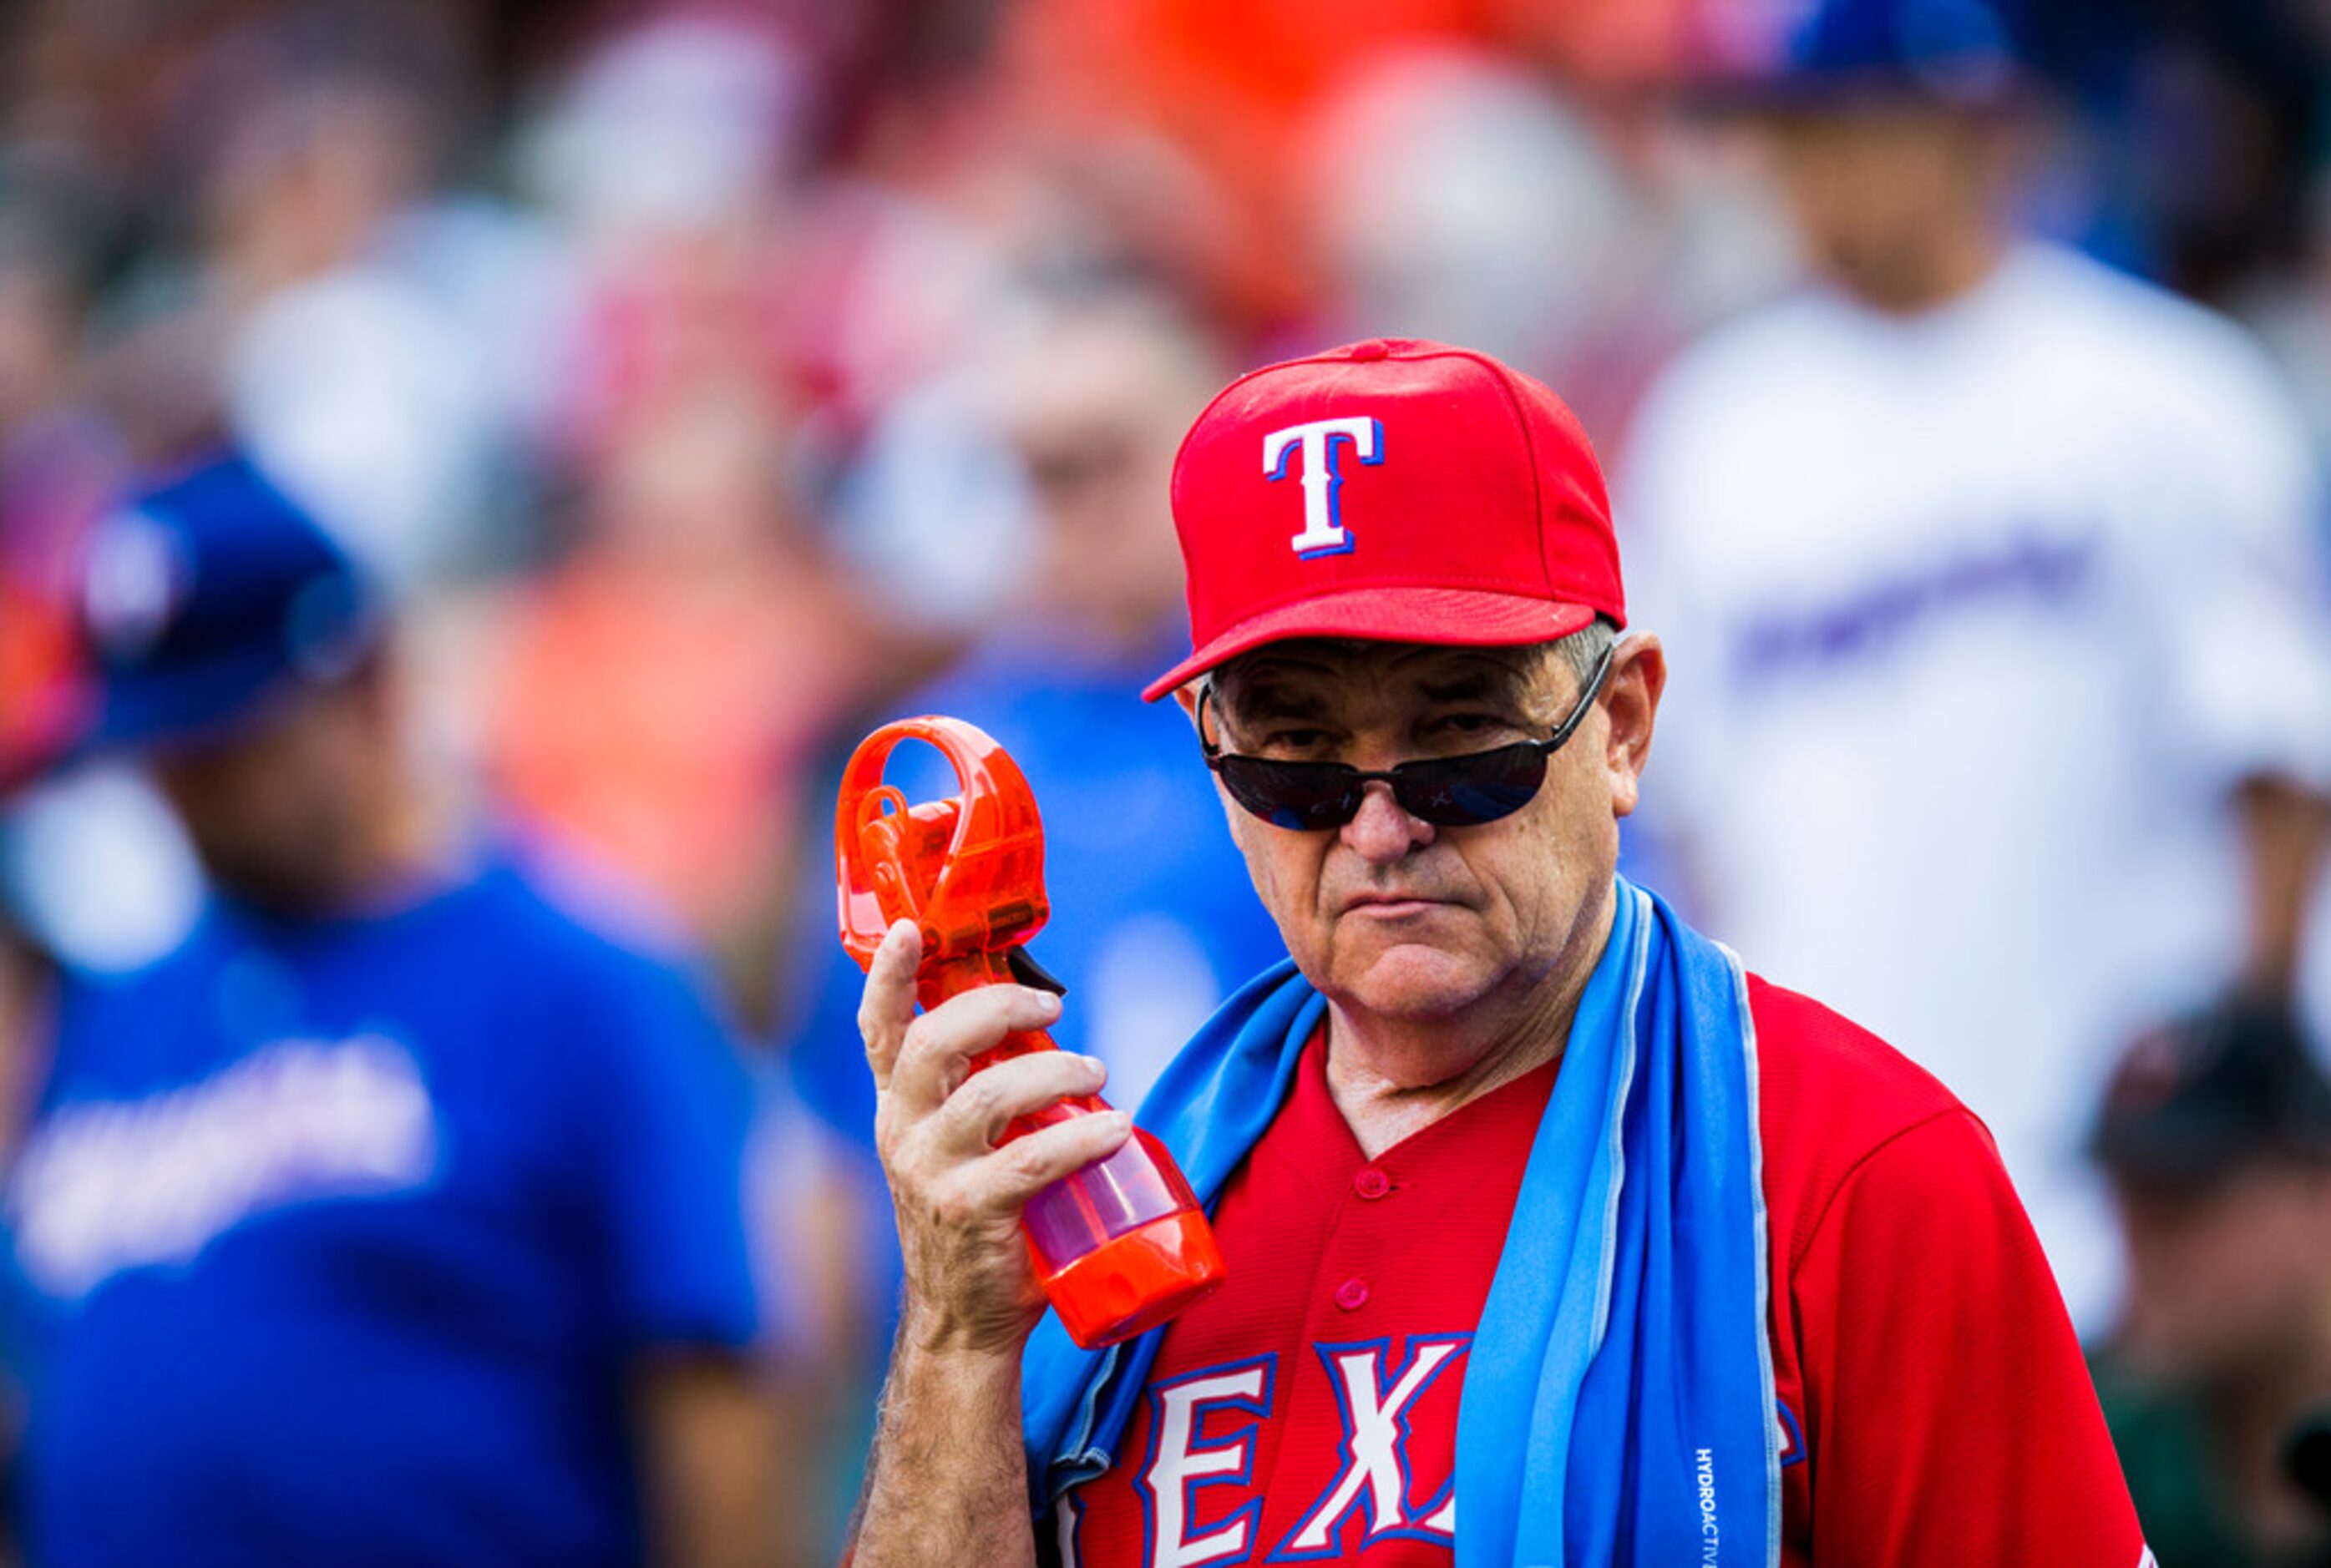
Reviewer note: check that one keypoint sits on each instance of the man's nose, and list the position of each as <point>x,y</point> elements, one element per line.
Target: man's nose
<point>1381,833</point>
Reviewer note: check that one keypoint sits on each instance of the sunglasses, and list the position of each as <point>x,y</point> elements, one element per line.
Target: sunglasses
<point>1449,792</point>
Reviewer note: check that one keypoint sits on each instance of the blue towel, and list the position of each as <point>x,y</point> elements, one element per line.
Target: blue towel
<point>1618,1405</point>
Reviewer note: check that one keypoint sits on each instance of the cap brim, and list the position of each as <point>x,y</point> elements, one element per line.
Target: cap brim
<point>2181,1156</point>
<point>1452,617</point>
<point>2188,1145</point>
<point>198,699</point>
<point>160,709</point>
<point>1821,90</point>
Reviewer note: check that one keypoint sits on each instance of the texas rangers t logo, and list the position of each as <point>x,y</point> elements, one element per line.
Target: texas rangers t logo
<point>1315,444</point>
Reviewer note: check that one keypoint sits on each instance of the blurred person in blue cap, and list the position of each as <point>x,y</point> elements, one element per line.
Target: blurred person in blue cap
<point>2215,1133</point>
<point>394,1217</point>
<point>2002,697</point>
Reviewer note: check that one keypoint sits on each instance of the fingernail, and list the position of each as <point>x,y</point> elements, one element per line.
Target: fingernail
<point>1121,1122</point>
<point>1099,1068</point>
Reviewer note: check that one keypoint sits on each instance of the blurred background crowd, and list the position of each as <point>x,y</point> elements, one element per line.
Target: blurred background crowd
<point>693,385</point>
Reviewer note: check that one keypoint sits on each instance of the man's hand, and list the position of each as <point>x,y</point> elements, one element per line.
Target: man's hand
<point>947,1482</point>
<point>969,1286</point>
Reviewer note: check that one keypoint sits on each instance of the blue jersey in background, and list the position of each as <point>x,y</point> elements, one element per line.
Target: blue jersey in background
<point>334,1242</point>
<point>1154,920</point>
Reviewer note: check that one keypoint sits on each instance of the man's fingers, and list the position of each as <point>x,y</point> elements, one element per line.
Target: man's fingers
<point>886,1007</point>
<point>1025,1166</point>
<point>975,1115</point>
<point>940,1044</point>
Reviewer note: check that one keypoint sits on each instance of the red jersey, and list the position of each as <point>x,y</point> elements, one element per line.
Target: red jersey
<point>1934,1406</point>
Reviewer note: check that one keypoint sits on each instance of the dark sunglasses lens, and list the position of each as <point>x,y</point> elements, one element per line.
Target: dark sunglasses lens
<point>1461,791</point>
<point>1302,797</point>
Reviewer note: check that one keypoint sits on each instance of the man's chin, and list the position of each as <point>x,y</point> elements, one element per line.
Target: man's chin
<point>1416,983</point>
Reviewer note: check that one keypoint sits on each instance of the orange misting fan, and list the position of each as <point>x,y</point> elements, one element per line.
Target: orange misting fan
<point>1120,1246</point>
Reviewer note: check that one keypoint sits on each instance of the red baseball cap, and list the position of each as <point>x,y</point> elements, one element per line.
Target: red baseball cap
<point>1394,491</point>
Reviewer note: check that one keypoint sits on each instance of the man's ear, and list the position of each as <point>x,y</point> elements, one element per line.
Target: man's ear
<point>1187,697</point>
<point>1631,700</point>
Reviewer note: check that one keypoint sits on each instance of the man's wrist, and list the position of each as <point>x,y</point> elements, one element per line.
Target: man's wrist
<point>949,1347</point>
<point>947,1482</point>
<point>967,1339</point>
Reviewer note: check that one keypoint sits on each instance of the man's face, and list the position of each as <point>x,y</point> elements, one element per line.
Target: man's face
<point>1878,190</point>
<point>1391,915</point>
<point>1096,408</point>
<point>2225,1276</point>
<point>277,809</point>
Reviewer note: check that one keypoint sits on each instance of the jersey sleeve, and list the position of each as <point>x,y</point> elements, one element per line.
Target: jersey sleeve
<point>1950,1418</point>
<point>2232,576</point>
<point>668,1123</point>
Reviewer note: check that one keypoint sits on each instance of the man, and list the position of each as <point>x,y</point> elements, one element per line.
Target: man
<point>1552,1237</point>
<point>2216,1136</point>
<point>2002,706</point>
<point>393,1218</point>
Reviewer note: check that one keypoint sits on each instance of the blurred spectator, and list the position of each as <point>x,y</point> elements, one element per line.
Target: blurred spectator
<point>1090,410</point>
<point>2200,123</point>
<point>392,1217</point>
<point>340,373</point>
<point>1236,85</point>
<point>665,686</point>
<point>1150,928</point>
<point>662,159</point>
<point>1460,197</point>
<point>281,161</point>
<point>2216,1134</point>
<point>2001,704</point>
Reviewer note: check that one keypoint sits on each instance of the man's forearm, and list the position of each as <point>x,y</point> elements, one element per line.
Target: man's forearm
<point>947,1482</point>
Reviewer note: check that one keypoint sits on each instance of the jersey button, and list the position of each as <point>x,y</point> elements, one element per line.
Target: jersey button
<point>1371,1184</point>
<point>1352,1294</point>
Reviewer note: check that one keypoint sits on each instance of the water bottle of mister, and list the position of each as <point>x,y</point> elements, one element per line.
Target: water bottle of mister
<point>1120,1246</point>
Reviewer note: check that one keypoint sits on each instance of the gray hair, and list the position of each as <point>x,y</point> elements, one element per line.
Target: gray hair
<point>1581,651</point>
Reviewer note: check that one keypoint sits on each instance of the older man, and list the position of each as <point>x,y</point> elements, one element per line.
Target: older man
<point>1540,1212</point>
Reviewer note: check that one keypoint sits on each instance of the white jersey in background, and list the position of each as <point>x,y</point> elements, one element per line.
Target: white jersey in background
<point>1975,619</point>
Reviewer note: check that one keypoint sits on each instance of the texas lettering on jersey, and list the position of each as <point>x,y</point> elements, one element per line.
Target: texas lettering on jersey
<point>1199,1494</point>
<point>1201,1499</point>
